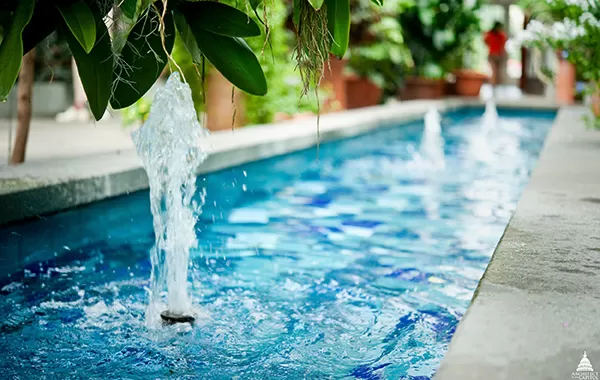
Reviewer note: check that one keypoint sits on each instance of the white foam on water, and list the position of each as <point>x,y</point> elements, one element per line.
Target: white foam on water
<point>168,145</point>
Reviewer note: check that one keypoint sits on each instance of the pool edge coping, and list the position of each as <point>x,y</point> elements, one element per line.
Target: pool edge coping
<point>39,188</point>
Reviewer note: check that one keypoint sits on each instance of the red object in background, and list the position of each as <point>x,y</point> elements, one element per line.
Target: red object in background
<point>334,80</point>
<point>469,82</point>
<point>422,88</point>
<point>361,92</point>
<point>495,42</point>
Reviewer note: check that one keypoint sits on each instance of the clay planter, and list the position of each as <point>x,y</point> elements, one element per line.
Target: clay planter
<point>423,88</point>
<point>565,82</point>
<point>469,82</point>
<point>596,103</point>
<point>361,92</point>
<point>219,107</point>
<point>334,81</point>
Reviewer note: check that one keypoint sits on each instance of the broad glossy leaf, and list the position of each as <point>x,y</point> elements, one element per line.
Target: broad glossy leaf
<point>95,68</point>
<point>187,36</point>
<point>11,48</point>
<point>144,59</point>
<point>316,4</point>
<point>296,12</point>
<point>338,23</point>
<point>80,20</point>
<point>233,58</point>
<point>220,19</point>
<point>129,8</point>
<point>255,3</point>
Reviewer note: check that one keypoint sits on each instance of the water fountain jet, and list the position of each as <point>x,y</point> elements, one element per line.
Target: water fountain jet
<point>432,143</point>
<point>167,144</point>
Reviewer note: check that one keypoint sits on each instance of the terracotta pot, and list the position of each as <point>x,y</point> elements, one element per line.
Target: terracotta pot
<point>219,107</point>
<point>423,88</point>
<point>450,88</point>
<point>565,82</point>
<point>361,92</point>
<point>469,82</point>
<point>335,81</point>
<point>596,103</point>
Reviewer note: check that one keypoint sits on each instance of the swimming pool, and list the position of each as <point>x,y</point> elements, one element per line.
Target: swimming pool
<point>358,265</point>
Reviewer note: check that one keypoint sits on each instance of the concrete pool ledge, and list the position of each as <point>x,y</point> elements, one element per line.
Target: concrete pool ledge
<point>38,188</point>
<point>537,307</point>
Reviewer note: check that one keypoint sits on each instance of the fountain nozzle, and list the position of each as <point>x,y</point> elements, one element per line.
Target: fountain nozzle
<point>171,318</point>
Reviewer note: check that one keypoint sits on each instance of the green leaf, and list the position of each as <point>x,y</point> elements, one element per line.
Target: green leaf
<point>378,2</point>
<point>144,59</point>
<point>233,58</point>
<point>338,23</point>
<point>220,19</point>
<point>129,8</point>
<point>187,36</point>
<point>95,68</point>
<point>11,48</point>
<point>80,20</point>
<point>255,3</point>
<point>316,4</point>
<point>296,5</point>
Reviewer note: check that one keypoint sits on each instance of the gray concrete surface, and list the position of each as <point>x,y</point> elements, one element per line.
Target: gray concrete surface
<point>49,140</point>
<point>537,308</point>
<point>56,182</point>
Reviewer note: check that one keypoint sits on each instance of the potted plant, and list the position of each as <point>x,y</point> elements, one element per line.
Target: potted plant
<point>467,24</point>
<point>573,29</point>
<point>439,32</point>
<point>428,83</point>
<point>377,53</point>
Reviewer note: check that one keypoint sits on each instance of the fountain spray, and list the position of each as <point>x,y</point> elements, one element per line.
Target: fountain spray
<point>167,144</point>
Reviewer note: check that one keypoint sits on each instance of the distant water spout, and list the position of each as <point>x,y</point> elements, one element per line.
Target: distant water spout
<point>167,144</point>
<point>490,116</point>
<point>432,143</point>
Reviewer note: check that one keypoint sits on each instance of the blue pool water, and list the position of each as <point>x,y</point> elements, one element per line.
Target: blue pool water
<point>355,266</point>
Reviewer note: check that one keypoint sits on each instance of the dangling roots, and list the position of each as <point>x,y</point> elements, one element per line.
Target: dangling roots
<point>313,43</point>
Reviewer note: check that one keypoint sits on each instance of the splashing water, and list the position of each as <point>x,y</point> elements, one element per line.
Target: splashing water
<point>167,144</point>
<point>490,116</point>
<point>432,144</point>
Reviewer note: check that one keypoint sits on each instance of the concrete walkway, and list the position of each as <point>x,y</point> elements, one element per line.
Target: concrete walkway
<point>49,140</point>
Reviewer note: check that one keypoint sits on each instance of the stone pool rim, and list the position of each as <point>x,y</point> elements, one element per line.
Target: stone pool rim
<point>35,189</point>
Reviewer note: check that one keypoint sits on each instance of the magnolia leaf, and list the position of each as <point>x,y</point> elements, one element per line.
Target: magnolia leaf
<point>187,37</point>
<point>338,23</point>
<point>255,3</point>
<point>11,48</point>
<point>233,58</point>
<point>80,20</point>
<point>95,68</point>
<point>144,58</point>
<point>220,19</point>
<point>129,8</point>
<point>296,12</point>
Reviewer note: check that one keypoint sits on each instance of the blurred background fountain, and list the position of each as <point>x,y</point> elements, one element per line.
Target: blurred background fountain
<point>431,152</point>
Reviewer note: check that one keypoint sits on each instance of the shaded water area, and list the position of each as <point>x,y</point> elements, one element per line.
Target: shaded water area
<point>358,265</point>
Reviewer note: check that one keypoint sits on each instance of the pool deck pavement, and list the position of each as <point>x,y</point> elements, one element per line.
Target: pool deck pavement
<point>537,307</point>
